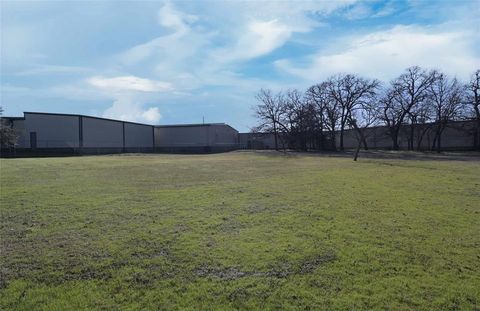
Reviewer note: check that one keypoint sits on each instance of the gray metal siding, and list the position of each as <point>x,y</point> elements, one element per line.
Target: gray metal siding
<point>259,140</point>
<point>138,136</point>
<point>195,136</point>
<point>223,135</point>
<point>19,128</point>
<point>102,133</point>
<point>53,131</point>
<point>182,136</point>
<point>455,136</point>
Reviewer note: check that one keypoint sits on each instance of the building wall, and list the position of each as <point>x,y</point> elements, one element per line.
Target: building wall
<point>223,135</point>
<point>457,135</point>
<point>196,138</point>
<point>53,131</point>
<point>138,136</point>
<point>19,128</point>
<point>78,134</point>
<point>100,133</point>
<point>182,136</point>
<point>260,141</point>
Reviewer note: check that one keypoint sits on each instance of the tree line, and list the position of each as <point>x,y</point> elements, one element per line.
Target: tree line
<point>414,102</point>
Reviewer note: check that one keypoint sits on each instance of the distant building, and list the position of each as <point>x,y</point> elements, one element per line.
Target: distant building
<point>56,133</point>
<point>458,135</point>
<point>259,141</point>
<point>196,138</point>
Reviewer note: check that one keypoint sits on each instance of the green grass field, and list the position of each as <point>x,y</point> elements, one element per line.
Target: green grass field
<point>241,230</point>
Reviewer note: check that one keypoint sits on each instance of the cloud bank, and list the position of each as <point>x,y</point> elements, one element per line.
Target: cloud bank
<point>129,83</point>
<point>124,91</point>
<point>385,54</point>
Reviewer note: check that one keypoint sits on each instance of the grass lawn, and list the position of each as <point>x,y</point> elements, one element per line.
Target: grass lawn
<point>240,230</point>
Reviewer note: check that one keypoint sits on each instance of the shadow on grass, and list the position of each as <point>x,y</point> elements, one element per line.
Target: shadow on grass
<point>377,154</point>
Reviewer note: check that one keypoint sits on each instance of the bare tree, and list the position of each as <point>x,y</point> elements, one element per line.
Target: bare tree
<point>292,117</point>
<point>418,117</point>
<point>350,91</point>
<point>445,99</point>
<point>300,120</point>
<point>346,101</point>
<point>328,111</point>
<point>8,138</point>
<point>405,94</point>
<point>361,118</point>
<point>473,103</point>
<point>270,111</point>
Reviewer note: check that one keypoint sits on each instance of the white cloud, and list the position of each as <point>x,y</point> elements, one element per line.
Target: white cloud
<point>264,37</point>
<point>259,38</point>
<point>152,115</point>
<point>128,110</point>
<point>180,43</point>
<point>386,54</point>
<point>224,34</point>
<point>128,94</point>
<point>387,10</point>
<point>129,83</point>
<point>170,17</point>
<point>361,10</point>
<point>358,11</point>
<point>260,27</point>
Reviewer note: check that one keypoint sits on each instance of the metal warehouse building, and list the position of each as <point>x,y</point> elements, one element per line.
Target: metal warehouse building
<point>196,138</point>
<point>55,133</point>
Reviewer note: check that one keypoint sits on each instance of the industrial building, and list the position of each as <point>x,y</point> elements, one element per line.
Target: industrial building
<point>196,138</point>
<point>260,141</point>
<point>40,133</point>
<point>56,133</point>
<point>458,135</point>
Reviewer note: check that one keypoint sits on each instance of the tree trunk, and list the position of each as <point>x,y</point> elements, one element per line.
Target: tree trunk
<point>395,139</point>
<point>420,139</point>
<point>357,151</point>
<point>477,136</point>
<point>412,136</point>
<point>341,137</point>
<point>434,143</point>
<point>364,140</point>
<point>275,134</point>
<point>361,136</point>
<point>333,140</point>
<point>439,142</point>
<point>476,141</point>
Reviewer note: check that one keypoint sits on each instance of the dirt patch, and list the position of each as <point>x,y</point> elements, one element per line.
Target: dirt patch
<point>256,209</point>
<point>229,273</point>
<point>312,263</point>
<point>228,225</point>
<point>279,270</point>
<point>231,225</point>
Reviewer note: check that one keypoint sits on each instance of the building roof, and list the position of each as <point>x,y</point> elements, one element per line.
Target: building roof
<point>189,125</point>
<point>194,125</point>
<point>85,116</point>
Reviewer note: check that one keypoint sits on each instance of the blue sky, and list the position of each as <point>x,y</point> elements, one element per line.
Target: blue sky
<point>164,62</point>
